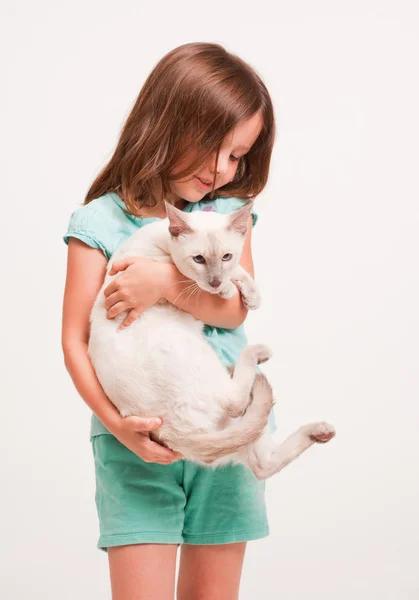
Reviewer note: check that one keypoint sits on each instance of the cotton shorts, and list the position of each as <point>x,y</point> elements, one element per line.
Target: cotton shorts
<point>180,503</point>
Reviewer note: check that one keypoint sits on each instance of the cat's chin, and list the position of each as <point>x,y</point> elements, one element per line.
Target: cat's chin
<point>211,290</point>
<point>222,292</point>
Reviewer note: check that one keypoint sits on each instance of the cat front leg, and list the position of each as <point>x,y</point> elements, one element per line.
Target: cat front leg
<point>242,281</point>
<point>228,291</point>
<point>247,286</point>
<point>266,458</point>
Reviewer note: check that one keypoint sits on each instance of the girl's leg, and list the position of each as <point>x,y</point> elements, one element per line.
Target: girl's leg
<point>210,572</point>
<point>143,571</point>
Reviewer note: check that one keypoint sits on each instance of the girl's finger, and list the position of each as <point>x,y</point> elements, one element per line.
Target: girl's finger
<point>159,451</point>
<point>111,288</point>
<point>121,264</point>
<point>141,424</point>
<point>177,457</point>
<point>132,315</point>
<point>112,299</point>
<point>116,309</point>
<point>160,461</point>
<point>163,461</point>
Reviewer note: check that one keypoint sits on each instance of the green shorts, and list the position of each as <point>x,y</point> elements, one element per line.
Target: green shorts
<point>143,503</point>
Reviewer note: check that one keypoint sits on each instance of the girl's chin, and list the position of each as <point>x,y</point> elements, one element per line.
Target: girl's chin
<point>190,194</point>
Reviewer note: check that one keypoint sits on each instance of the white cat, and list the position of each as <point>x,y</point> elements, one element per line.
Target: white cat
<point>161,365</point>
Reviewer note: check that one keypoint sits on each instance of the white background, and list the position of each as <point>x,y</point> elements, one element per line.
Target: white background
<point>336,255</point>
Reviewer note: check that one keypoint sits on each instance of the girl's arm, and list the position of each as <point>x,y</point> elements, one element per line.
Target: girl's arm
<point>210,308</point>
<point>164,280</point>
<point>85,274</point>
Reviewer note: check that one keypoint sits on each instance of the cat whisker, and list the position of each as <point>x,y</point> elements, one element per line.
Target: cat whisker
<point>184,291</point>
<point>194,290</point>
<point>197,296</point>
<point>181,281</point>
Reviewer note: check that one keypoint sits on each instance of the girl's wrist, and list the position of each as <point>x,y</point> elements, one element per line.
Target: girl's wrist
<point>171,276</point>
<point>111,420</point>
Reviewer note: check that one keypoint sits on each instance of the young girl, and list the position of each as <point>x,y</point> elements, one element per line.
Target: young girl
<point>200,135</point>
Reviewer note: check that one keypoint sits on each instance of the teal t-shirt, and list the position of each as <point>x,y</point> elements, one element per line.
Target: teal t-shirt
<point>103,224</point>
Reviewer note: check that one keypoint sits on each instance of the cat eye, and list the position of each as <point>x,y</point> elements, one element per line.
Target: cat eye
<point>227,257</point>
<point>199,259</point>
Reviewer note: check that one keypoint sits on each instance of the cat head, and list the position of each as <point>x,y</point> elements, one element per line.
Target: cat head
<point>206,246</point>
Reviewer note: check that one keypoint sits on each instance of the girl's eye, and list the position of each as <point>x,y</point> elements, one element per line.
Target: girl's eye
<point>234,158</point>
<point>199,259</point>
<point>227,256</point>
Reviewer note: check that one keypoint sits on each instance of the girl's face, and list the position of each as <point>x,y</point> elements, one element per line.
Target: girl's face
<point>236,144</point>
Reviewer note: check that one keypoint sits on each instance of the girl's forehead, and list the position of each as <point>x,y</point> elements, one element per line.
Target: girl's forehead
<point>246,132</point>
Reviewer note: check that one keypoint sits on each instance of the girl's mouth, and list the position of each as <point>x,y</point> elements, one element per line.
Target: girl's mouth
<point>203,183</point>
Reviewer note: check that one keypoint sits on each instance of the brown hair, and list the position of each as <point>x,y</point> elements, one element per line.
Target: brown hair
<point>195,95</point>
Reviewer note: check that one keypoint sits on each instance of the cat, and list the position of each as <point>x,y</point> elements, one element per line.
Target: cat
<point>162,365</point>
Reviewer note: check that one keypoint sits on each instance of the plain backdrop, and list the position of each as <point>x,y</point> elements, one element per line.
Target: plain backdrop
<point>336,257</point>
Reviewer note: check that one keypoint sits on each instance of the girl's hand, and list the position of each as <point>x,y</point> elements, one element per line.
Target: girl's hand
<point>140,286</point>
<point>133,432</point>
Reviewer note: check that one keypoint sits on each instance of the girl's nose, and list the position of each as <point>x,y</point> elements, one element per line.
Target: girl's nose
<point>222,166</point>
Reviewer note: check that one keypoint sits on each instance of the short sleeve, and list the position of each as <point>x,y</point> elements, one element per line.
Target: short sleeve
<point>89,226</point>
<point>225,206</point>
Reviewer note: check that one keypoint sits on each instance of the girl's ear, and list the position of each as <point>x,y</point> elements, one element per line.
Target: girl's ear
<point>239,219</point>
<point>177,222</point>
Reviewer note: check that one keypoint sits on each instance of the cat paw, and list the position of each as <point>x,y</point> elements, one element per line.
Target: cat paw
<point>322,432</point>
<point>262,353</point>
<point>250,298</point>
<point>228,291</point>
<point>235,411</point>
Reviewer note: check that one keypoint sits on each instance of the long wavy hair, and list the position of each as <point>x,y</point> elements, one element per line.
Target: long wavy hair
<point>194,96</point>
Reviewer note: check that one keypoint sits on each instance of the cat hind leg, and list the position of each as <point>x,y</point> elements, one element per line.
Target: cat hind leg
<point>243,376</point>
<point>266,458</point>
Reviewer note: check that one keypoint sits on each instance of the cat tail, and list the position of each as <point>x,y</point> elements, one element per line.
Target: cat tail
<point>244,431</point>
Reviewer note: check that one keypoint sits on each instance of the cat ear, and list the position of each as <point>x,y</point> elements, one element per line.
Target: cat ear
<point>239,219</point>
<point>177,222</point>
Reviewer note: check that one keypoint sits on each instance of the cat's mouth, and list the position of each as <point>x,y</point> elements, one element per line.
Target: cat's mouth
<point>212,290</point>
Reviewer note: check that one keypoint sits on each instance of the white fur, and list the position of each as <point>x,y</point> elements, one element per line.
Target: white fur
<point>162,365</point>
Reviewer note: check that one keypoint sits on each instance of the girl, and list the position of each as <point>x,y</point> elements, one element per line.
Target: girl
<point>200,135</point>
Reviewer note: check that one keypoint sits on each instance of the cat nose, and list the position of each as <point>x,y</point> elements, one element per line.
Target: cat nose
<point>215,283</point>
